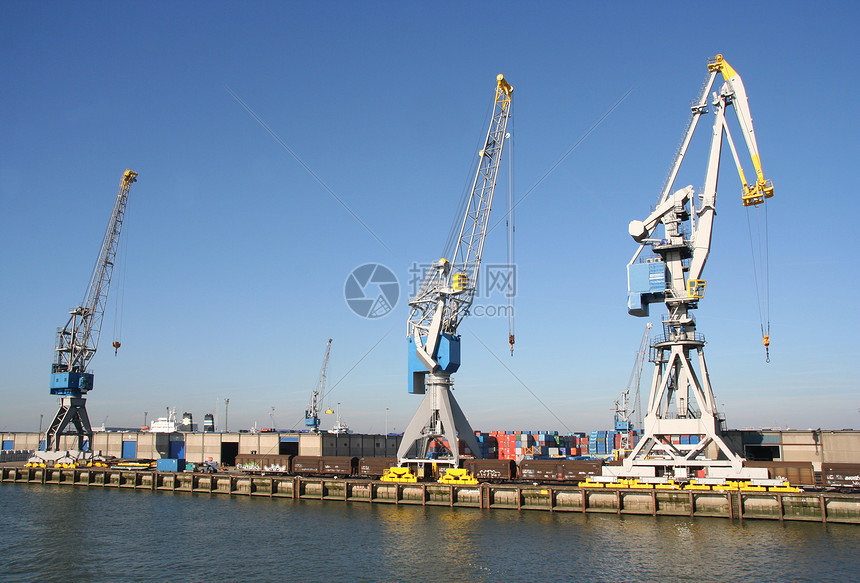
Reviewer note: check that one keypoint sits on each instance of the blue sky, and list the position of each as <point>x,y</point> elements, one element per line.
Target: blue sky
<point>236,257</point>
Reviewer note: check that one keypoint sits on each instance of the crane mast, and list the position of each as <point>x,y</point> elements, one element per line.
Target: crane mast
<point>443,301</point>
<point>681,401</point>
<point>78,340</point>
<point>312,413</point>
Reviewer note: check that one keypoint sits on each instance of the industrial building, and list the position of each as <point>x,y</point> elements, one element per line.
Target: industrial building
<point>217,447</point>
<point>790,445</point>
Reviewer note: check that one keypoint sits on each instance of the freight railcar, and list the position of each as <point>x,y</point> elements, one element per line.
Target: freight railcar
<point>264,463</point>
<point>491,470</point>
<point>374,467</point>
<point>799,473</point>
<point>559,470</point>
<point>841,476</point>
<point>335,466</point>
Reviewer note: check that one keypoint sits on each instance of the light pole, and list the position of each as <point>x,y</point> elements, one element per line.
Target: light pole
<point>386,421</point>
<point>226,410</point>
<point>39,445</point>
<point>145,415</point>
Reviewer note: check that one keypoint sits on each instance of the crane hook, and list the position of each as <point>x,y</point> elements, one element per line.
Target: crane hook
<point>116,346</point>
<point>511,342</point>
<point>766,343</point>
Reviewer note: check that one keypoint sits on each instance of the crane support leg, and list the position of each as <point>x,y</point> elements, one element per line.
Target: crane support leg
<point>438,416</point>
<point>72,410</point>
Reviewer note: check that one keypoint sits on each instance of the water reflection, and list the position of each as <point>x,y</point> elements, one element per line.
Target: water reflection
<point>86,534</point>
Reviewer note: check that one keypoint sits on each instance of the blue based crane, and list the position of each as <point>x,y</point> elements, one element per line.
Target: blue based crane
<point>312,413</point>
<point>78,340</point>
<point>442,302</point>
<point>681,401</point>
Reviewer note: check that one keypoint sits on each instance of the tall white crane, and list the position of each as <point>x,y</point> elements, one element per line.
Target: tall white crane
<point>312,413</point>
<point>78,340</point>
<point>681,400</point>
<point>443,301</point>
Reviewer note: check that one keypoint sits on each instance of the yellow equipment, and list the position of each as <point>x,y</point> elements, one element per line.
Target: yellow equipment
<point>458,476</point>
<point>398,475</point>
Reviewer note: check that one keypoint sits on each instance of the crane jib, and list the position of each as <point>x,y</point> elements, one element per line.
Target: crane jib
<point>78,340</point>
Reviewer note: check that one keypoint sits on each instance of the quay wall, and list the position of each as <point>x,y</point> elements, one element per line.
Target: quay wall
<point>736,505</point>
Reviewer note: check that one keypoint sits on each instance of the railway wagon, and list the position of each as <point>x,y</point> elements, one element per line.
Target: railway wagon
<point>797,473</point>
<point>324,466</point>
<point>559,470</point>
<point>844,476</point>
<point>253,463</point>
<point>374,467</point>
<point>492,470</point>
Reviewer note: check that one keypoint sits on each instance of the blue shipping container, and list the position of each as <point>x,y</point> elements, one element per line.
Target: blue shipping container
<point>170,465</point>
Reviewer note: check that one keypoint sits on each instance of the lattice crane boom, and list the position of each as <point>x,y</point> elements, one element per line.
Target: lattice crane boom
<point>448,289</point>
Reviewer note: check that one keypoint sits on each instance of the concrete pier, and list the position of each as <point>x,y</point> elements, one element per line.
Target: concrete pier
<point>735,505</point>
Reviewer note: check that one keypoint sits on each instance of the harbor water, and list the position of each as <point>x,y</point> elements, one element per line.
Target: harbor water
<point>54,533</point>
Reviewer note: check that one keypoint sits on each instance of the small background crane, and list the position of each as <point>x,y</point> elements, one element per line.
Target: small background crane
<point>628,416</point>
<point>312,413</point>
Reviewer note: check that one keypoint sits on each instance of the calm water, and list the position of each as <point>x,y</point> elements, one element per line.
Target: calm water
<point>86,534</point>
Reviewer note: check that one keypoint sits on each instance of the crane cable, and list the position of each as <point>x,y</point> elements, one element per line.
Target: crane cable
<point>119,303</point>
<point>761,273</point>
<point>509,220</point>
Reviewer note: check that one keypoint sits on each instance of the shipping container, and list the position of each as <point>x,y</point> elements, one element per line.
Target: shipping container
<point>170,465</point>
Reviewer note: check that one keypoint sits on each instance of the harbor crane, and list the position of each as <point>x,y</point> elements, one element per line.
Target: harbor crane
<point>312,413</point>
<point>442,302</point>
<point>681,401</point>
<point>78,340</point>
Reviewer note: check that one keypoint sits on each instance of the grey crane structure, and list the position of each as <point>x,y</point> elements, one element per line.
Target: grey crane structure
<point>442,302</point>
<point>78,340</point>
<point>681,400</point>
<point>629,416</point>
